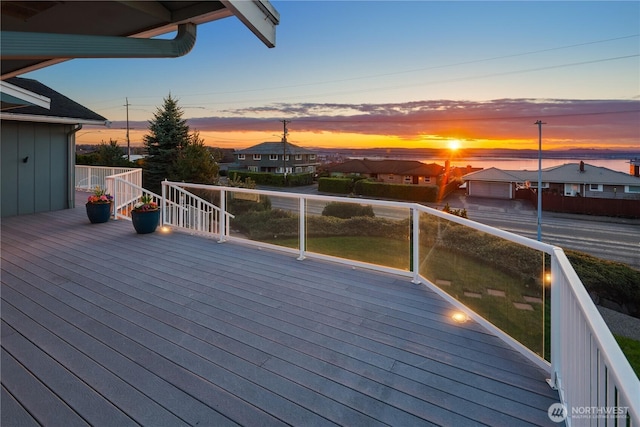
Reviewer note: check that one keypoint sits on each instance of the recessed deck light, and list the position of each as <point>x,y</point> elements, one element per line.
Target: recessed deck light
<point>459,317</point>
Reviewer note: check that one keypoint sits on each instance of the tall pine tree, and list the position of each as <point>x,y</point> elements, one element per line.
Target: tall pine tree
<point>168,134</point>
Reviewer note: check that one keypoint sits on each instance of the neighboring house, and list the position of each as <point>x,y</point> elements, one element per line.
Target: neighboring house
<point>37,148</point>
<point>277,157</point>
<point>571,180</point>
<point>390,171</point>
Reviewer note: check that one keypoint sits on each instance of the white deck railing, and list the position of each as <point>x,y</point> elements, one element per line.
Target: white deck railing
<point>187,211</point>
<point>88,177</point>
<point>595,382</point>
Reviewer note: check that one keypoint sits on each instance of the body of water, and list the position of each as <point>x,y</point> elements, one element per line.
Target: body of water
<point>620,165</point>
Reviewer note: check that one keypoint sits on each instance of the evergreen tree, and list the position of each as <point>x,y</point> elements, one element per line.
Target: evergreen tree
<point>168,133</point>
<point>110,154</point>
<point>195,163</point>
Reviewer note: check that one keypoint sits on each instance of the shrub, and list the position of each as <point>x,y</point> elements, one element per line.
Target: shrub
<point>416,193</point>
<point>335,185</point>
<point>347,210</point>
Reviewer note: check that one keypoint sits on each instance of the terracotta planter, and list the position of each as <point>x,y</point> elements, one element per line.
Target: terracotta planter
<point>145,221</point>
<point>98,212</point>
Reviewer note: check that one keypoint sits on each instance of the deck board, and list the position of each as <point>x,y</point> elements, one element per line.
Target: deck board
<point>174,329</point>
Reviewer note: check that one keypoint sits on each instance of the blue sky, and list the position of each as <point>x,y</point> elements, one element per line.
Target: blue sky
<point>360,61</point>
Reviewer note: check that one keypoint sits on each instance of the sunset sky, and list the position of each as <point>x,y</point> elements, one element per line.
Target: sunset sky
<point>388,74</point>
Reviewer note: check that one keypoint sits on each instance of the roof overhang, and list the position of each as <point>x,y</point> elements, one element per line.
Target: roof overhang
<point>40,34</point>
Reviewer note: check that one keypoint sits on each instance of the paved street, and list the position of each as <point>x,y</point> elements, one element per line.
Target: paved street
<point>616,239</point>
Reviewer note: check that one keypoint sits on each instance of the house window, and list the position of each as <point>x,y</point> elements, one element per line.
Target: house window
<point>390,177</point>
<point>287,158</point>
<point>427,179</point>
<point>572,190</point>
<point>632,188</point>
<point>253,168</point>
<point>298,156</point>
<point>595,187</point>
<point>257,157</point>
<point>240,156</point>
<point>312,156</point>
<point>408,179</point>
<point>273,157</point>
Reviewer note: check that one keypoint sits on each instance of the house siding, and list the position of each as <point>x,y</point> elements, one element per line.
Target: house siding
<point>40,183</point>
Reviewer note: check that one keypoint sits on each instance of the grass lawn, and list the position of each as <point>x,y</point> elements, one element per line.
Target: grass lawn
<point>374,250</point>
<point>631,349</point>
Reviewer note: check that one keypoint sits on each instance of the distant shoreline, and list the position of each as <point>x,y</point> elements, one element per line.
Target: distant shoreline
<point>465,154</point>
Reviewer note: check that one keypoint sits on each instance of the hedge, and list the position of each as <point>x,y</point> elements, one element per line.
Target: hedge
<point>335,185</point>
<point>347,210</point>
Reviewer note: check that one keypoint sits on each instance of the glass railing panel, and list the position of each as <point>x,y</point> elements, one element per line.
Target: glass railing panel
<point>359,231</point>
<point>502,281</point>
<point>268,219</point>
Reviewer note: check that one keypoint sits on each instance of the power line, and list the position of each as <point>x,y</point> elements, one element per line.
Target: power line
<point>435,67</point>
<point>465,119</point>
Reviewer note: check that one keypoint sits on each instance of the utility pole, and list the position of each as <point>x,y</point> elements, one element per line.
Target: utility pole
<point>128,142</point>
<point>284,147</point>
<point>539,123</point>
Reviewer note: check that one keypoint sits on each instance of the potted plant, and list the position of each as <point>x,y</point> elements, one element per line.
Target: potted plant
<point>145,215</point>
<point>99,206</point>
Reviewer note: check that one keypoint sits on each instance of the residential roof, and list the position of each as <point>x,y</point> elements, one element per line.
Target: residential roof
<point>62,109</point>
<point>495,175</point>
<point>274,148</point>
<point>388,166</point>
<point>566,173</point>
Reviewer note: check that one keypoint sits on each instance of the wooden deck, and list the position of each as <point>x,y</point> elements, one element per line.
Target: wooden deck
<point>101,326</point>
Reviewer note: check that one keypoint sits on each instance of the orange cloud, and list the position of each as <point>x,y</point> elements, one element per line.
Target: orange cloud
<point>505,123</point>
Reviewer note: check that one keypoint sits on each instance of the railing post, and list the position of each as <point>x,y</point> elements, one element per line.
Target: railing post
<point>557,325</point>
<point>223,216</point>
<point>164,202</point>
<point>415,247</point>
<point>303,239</point>
<point>110,185</point>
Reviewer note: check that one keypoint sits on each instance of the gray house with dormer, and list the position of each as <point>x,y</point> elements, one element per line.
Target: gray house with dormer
<point>277,157</point>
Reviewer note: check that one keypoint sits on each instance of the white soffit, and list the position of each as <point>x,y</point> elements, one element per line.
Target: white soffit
<point>259,16</point>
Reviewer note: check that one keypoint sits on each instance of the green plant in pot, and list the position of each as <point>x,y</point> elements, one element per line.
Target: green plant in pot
<point>145,215</point>
<point>99,205</point>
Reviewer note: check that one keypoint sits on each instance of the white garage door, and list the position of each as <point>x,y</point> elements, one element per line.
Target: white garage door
<point>494,190</point>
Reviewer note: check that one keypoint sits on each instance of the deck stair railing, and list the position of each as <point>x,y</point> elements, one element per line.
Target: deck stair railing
<point>126,194</point>
<point>187,211</point>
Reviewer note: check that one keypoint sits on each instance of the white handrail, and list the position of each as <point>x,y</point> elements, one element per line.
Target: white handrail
<point>588,367</point>
<point>88,177</point>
